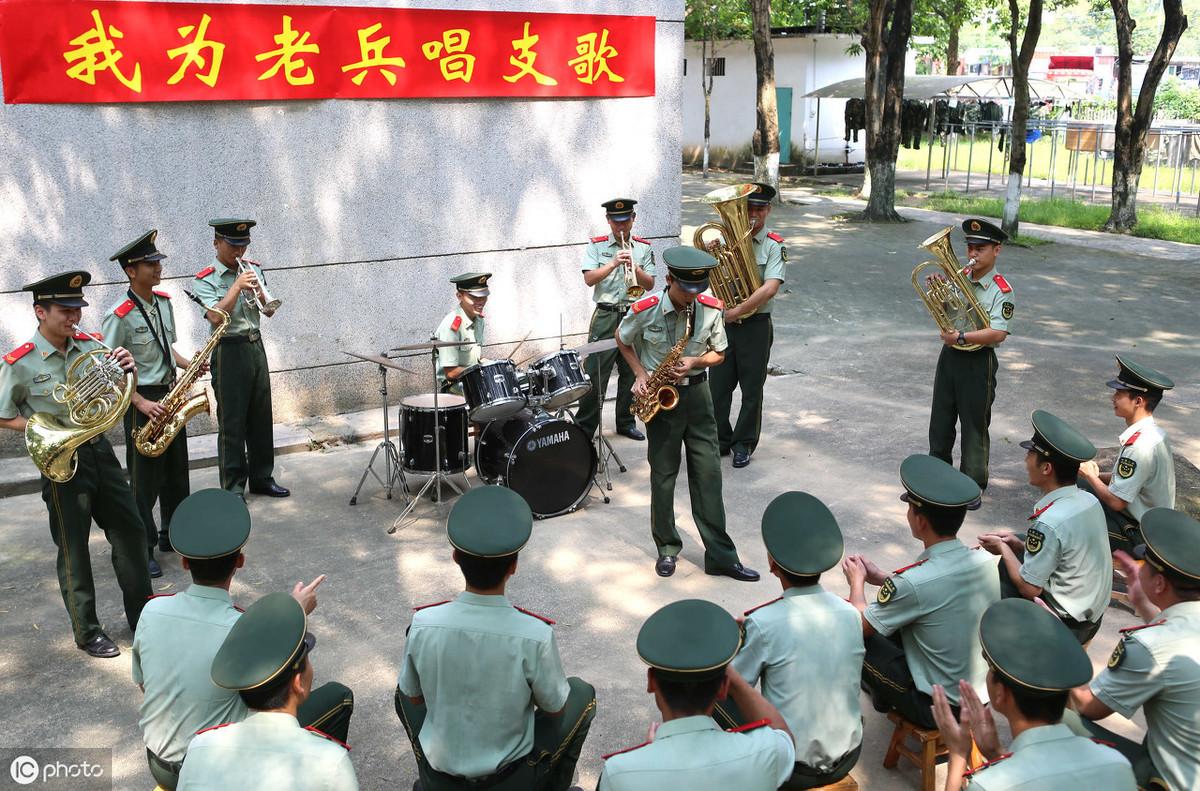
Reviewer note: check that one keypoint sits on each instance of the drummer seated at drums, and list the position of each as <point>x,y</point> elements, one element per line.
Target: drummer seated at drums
<point>464,325</point>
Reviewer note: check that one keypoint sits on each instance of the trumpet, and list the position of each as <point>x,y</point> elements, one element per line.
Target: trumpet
<point>633,289</point>
<point>258,298</point>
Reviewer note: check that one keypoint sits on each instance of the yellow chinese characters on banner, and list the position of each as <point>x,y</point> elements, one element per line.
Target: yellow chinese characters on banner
<point>191,54</point>
<point>524,58</point>
<point>456,63</point>
<point>372,57</point>
<point>292,44</point>
<point>96,51</point>
<point>594,53</point>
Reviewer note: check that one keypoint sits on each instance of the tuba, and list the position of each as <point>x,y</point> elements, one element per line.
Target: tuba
<point>97,392</point>
<point>660,393</point>
<point>153,438</point>
<point>946,293</point>
<point>736,275</point>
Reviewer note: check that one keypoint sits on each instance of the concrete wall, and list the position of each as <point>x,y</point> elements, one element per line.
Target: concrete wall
<point>365,208</point>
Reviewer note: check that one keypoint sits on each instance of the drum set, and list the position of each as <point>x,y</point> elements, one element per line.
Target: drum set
<point>526,438</point>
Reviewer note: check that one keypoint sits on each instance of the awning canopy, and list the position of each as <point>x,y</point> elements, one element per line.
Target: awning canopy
<point>935,86</point>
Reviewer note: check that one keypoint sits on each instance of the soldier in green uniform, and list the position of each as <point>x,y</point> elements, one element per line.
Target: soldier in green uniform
<point>482,693</point>
<point>1154,667</point>
<point>922,628</point>
<point>465,325</point>
<point>98,490</point>
<point>240,375</point>
<point>1033,663</point>
<point>646,336</point>
<point>750,338</point>
<point>179,635</point>
<point>1143,475</point>
<point>144,323</point>
<point>964,385</point>
<point>806,647</point>
<point>267,659</point>
<point>608,263</point>
<point>1063,558</point>
<point>688,646</point>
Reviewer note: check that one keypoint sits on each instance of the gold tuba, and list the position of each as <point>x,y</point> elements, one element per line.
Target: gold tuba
<point>153,438</point>
<point>97,392</point>
<point>736,275</point>
<point>660,394</point>
<point>946,293</point>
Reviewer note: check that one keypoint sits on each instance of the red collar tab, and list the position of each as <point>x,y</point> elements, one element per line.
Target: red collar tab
<point>213,728</point>
<point>18,353</point>
<point>162,294</point>
<point>83,336</point>
<point>643,304</point>
<point>1132,439</point>
<point>205,272</point>
<point>435,604</point>
<point>1129,629</point>
<point>603,238</point>
<point>325,735</point>
<point>454,325</point>
<point>1005,288</point>
<point>986,764</point>
<point>639,239</point>
<point>710,301</point>
<point>749,726</point>
<point>1041,511</point>
<point>158,595</point>
<point>535,615</point>
<point>910,566</point>
<point>622,752</point>
<point>764,604</point>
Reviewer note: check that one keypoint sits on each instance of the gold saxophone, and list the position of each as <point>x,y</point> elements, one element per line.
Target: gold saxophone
<point>153,438</point>
<point>660,393</point>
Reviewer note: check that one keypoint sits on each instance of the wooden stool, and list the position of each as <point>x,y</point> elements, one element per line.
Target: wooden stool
<point>925,756</point>
<point>847,783</point>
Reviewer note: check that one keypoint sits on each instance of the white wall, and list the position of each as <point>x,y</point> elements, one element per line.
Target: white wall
<point>365,208</point>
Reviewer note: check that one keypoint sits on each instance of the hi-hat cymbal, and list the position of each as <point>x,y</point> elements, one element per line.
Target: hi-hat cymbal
<point>380,360</point>
<point>596,346</point>
<point>416,347</point>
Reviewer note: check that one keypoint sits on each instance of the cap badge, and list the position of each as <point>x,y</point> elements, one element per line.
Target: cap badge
<point>76,281</point>
<point>619,205</point>
<point>241,226</point>
<point>698,272</point>
<point>975,226</point>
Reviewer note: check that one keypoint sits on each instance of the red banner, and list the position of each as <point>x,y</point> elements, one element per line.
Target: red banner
<point>105,51</point>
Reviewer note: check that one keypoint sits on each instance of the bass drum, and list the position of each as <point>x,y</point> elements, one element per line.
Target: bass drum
<point>549,462</point>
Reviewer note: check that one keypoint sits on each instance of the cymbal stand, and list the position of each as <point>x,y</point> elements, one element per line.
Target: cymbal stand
<point>392,470</point>
<point>438,476</point>
<point>604,452</point>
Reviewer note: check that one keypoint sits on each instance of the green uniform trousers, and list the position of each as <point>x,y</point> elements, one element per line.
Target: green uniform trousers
<point>557,743</point>
<point>163,479</point>
<point>728,715</point>
<point>327,709</point>
<point>1144,771</point>
<point>689,426</point>
<point>98,491</point>
<point>599,367</point>
<point>963,390</point>
<point>889,682</point>
<point>245,439</point>
<point>1083,630</point>
<point>745,367</point>
<point>1124,532</point>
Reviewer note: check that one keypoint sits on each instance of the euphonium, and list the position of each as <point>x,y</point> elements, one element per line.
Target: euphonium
<point>153,438</point>
<point>736,275</point>
<point>97,392</point>
<point>632,289</point>
<point>660,393</point>
<point>259,299</point>
<point>946,293</point>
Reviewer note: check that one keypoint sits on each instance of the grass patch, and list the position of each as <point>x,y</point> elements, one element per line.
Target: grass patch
<point>1153,222</point>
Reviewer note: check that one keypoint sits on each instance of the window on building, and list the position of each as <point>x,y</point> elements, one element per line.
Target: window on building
<point>1174,68</point>
<point>716,67</point>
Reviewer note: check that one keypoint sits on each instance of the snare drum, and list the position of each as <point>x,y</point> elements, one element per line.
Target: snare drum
<point>558,379</point>
<point>492,390</point>
<point>418,419</point>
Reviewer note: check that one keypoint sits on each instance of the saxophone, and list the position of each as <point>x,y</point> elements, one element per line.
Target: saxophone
<point>660,394</point>
<point>153,438</point>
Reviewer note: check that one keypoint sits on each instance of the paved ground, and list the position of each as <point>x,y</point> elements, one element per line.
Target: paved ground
<point>855,354</point>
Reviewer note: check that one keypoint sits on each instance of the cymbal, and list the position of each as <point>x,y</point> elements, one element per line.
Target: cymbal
<point>596,346</point>
<point>379,359</point>
<point>416,347</point>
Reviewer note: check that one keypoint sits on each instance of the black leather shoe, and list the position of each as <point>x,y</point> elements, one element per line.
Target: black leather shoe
<point>155,569</point>
<point>632,433</point>
<point>665,566</point>
<point>100,646</point>
<point>737,571</point>
<point>164,543</point>
<point>725,451</point>
<point>740,458</point>
<point>272,489</point>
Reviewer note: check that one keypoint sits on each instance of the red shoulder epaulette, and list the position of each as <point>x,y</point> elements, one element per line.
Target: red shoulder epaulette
<point>325,735</point>
<point>764,604</point>
<point>1004,286</point>
<point>123,309</point>
<point>213,728</point>
<point>711,301</point>
<point>205,272</point>
<point>1106,744</point>
<point>454,325</point>
<point>749,726</point>
<point>426,606</point>
<point>239,609</point>
<point>158,595</point>
<point>18,353</point>
<point>1132,439</point>
<point>162,294</point>
<point>647,302</point>
<point>622,752</point>
<point>965,271</point>
<point>1129,629</point>
<point>909,566</point>
<point>775,236</point>
<point>1040,511</point>
<point>83,336</point>
<point>639,239</point>
<point>603,238</point>
<point>986,764</point>
<point>535,615</point>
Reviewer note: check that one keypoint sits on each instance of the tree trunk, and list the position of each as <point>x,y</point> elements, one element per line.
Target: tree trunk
<point>952,47</point>
<point>1129,148</point>
<point>884,41</point>
<point>766,131</point>
<point>706,83</point>
<point>1021,58</point>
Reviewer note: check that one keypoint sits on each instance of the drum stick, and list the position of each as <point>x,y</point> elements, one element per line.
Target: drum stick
<point>513,353</point>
